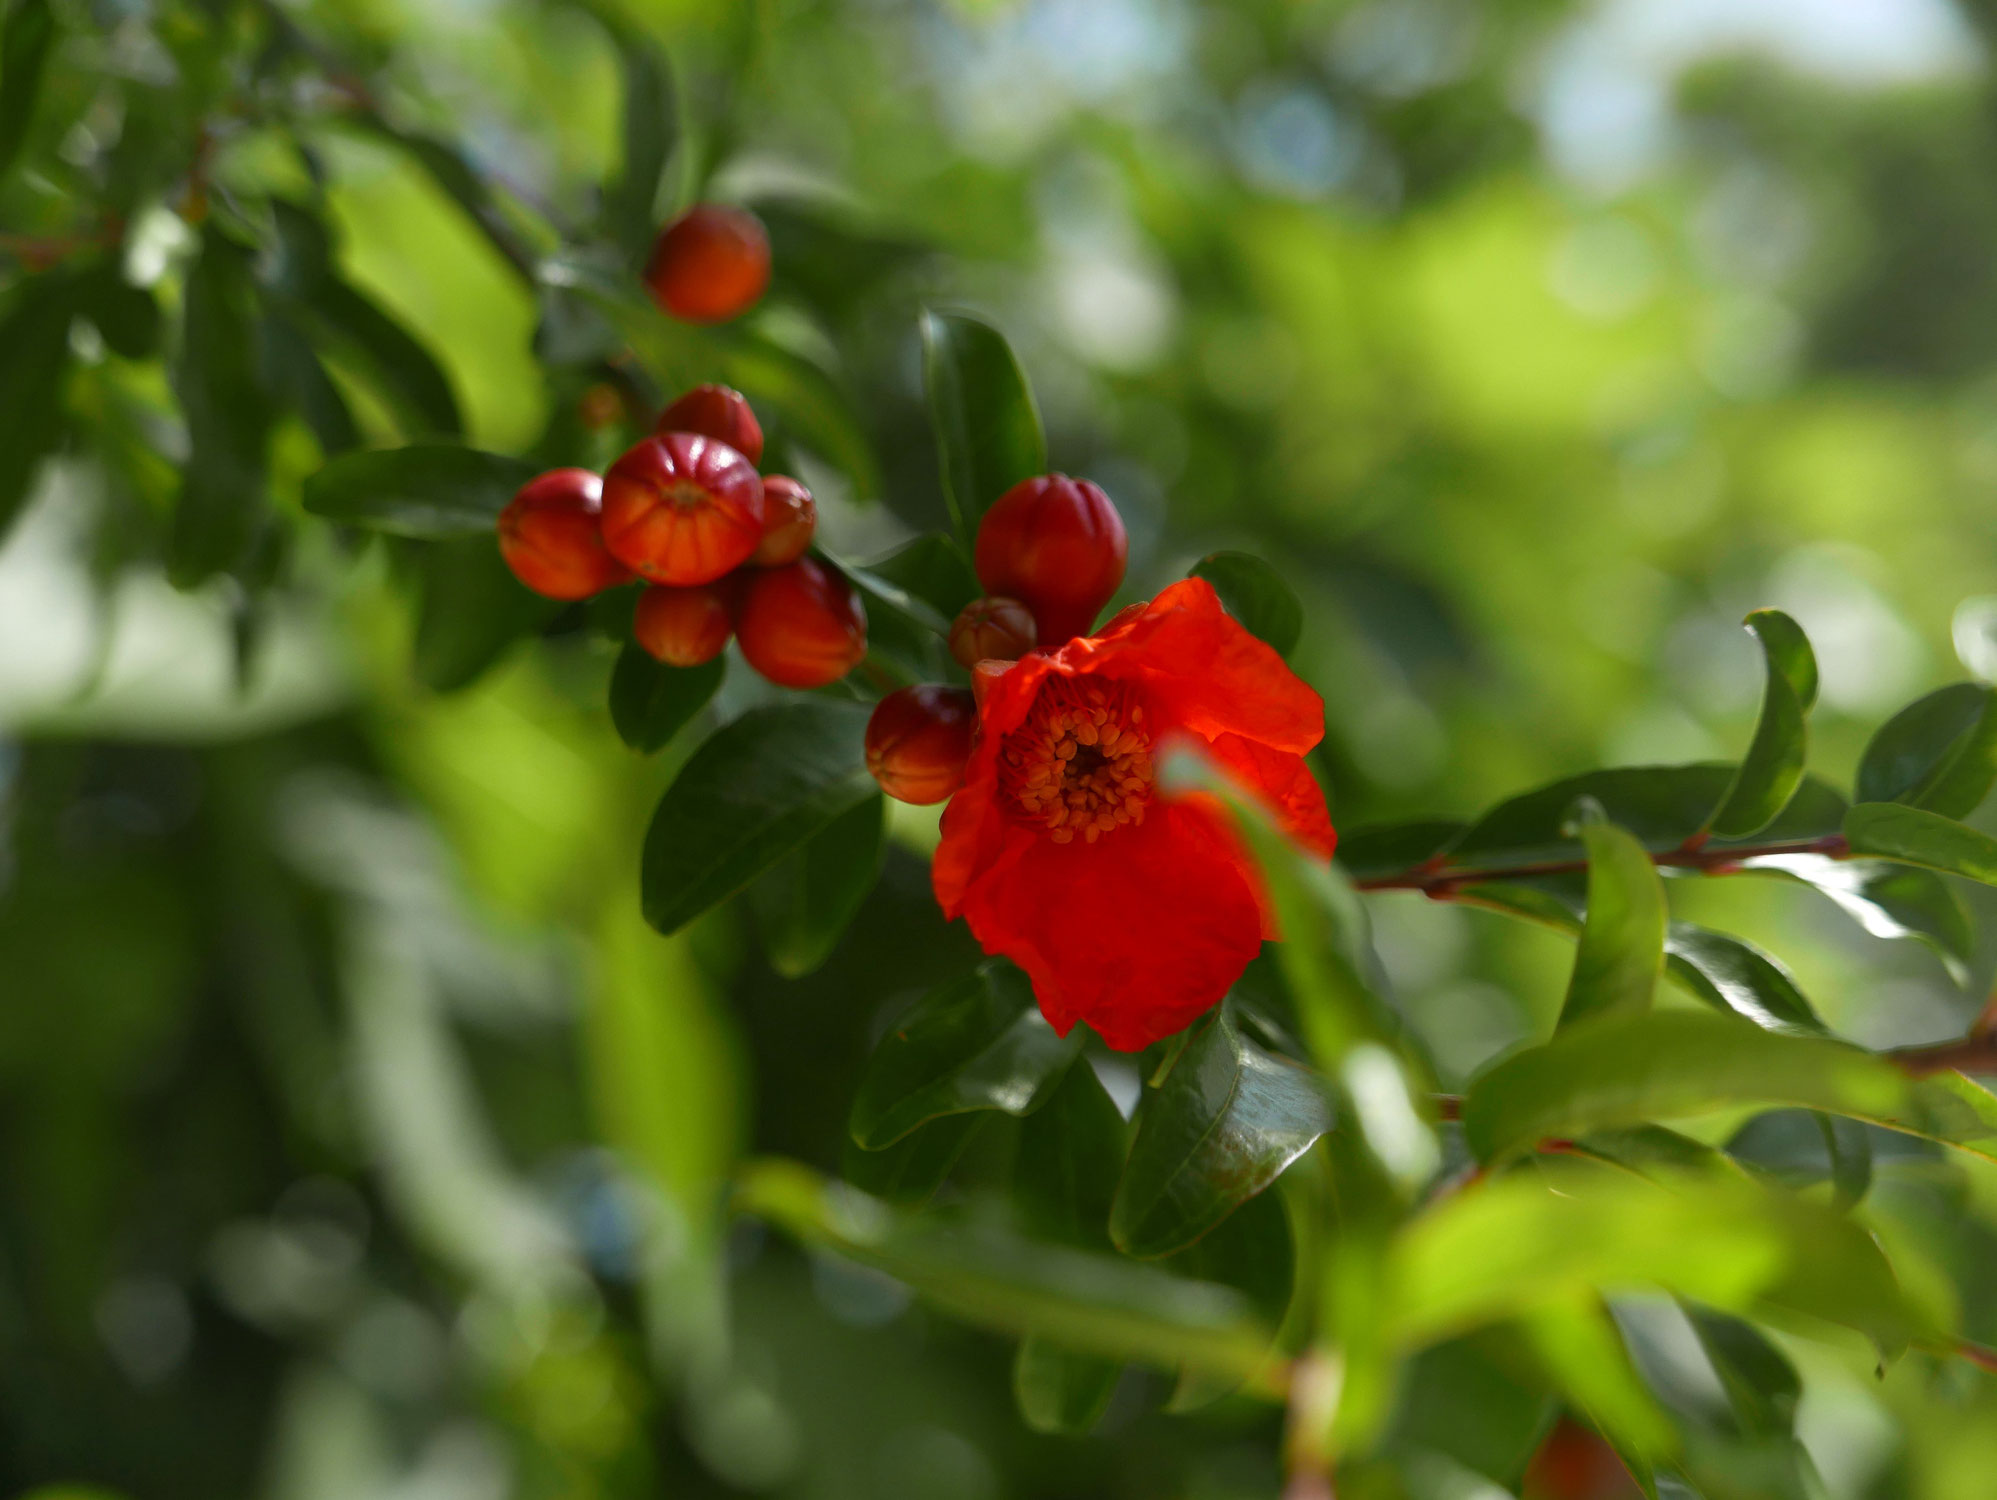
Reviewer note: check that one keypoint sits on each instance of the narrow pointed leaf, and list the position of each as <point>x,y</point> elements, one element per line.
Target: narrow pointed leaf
<point>752,792</point>
<point>1914,836</point>
<point>471,610</point>
<point>26,40</point>
<point>1887,900</point>
<point>987,427</point>
<point>1939,752</point>
<point>427,490</point>
<point>932,569</point>
<point>1621,949</point>
<point>908,1173</point>
<point>1773,768</point>
<point>1730,973</point>
<point>34,366</point>
<point>1256,595</point>
<point>632,202</point>
<point>806,900</point>
<point>651,702</point>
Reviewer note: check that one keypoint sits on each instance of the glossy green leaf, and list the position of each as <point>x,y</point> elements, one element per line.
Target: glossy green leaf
<point>631,203</point>
<point>1256,595</point>
<point>1939,752</point>
<point>908,1173</point>
<point>806,900</point>
<point>987,427</point>
<point>1730,973</point>
<point>225,399</point>
<point>462,183</point>
<point>1098,1304</point>
<point>34,365</point>
<point>1059,1390</point>
<point>26,39</point>
<point>1773,767</point>
<point>977,1043</point>
<point>754,791</point>
<point>428,490</point>
<point>1622,936</point>
<point>1914,836</point>
<point>932,569</point>
<point>1887,900</point>
<point>471,609</point>
<point>1223,1126</point>
<point>651,702</point>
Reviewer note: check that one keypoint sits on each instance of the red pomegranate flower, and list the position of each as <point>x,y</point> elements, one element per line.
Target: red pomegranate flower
<point>1129,909</point>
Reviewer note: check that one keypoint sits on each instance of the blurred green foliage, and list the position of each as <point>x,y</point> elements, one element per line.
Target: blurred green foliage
<point>359,1138</point>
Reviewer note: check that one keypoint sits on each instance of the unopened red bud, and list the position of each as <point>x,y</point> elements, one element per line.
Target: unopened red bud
<point>801,625</point>
<point>720,413</point>
<point>710,264</point>
<point>991,629</point>
<point>790,517</point>
<point>919,740</point>
<point>681,508</point>
<point>684,627</point>
<point>1058,545</point>
<point>551,536</point>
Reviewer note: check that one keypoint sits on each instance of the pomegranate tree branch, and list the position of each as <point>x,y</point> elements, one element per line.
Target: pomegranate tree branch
<point>1441,882</point>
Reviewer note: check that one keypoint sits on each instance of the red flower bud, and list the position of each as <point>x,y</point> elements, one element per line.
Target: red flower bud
<point>682,509</point>
<point>1058,545</point>
<point>710,264</point>
<point>720,413</point>
<point>551,536</point>
<point>790,516</point>
<point>918,741</point>
<point>801,625</point>
<point>984,675</point>
<point>991,629</point>
<point>684,627</point>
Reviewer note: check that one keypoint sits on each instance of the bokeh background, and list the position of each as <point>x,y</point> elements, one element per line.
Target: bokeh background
<point>349,1114</point>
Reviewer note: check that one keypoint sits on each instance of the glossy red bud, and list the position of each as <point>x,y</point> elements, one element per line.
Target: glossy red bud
<point>1057,545</point>
<point>682,509</point>
<point>919,740</point>
<point>790,519</point>
<point>801,625</point>
<point>718,412</point>
<point>684,627</point>
<point>710,264</point>
<point>551,536</point>
<point>991,629</point>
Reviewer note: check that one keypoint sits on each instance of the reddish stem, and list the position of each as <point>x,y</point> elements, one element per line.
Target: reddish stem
<point>1440,882</point>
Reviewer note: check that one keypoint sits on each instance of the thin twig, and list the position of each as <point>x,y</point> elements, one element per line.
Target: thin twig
<point>1440,882</point>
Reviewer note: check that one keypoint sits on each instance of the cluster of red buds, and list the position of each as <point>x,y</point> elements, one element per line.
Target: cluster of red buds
<point>1049,555</point>
<point>720,546</point>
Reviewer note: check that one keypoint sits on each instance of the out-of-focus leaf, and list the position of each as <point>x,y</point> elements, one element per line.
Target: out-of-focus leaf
<point>1939,752</point>
<point>461,182</point>
<point>1060,1391</point>
<point>988,435</point>
<point>34,365</point>
<point>1730,973</point>
<point>128,316</point>
<point>1479,1399</point>
<point>807,404</point>
<point>1394,848</point>
<point>1256,595</point>
<point>1760,1383</point>
<point>1914,836</point>
<point>302,382</point>
<point>1799,1148</point>
<point>1099,1304</point>
<point>1629,1070</point>
<point>651,702</point>
<point>977,1043</point>
<point>1223,1126</point>
<point>1887,900</point>
<point>1254,1251</point>
<point>651,127</point>
<point>427,490</point>
<point>754,791</point>
<point>1622,937</point>
<point>26,39</point>
<point>472,608</point>
<point>1584,1352</point>
<point>805,901</point>
<point>908,1173</point>
<point>1773,766</point>
<point>931,569</point>
<point>226,401</point>
<point>1649,1151</point>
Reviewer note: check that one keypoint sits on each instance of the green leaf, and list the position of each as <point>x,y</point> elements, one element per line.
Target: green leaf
<point>1631,1070</point>
<point>1760,1383</point>
<point>1479,1399</point>
<point>1730,973</point>
<point>428,490</point>
<point>977,1043</point>
<point>651,128</point>
<point>26,39</point>
<point>932,569</point>
<point>301,381</point>
<point>651,702</point>
<point>807,899</point>
<point>1060,1391</point>
<point>1254,1251</point>
<point>1800,1148</point>
<point>34,365</point>
<point>1939,752</point>
<point>807,403</point>
<point>394,359</point>
<point>1773,768</point>
<point>1583,1350</point>
<point>987,427</point>
<point>1887,900</point>
<point>1226,1122</point>
<point>1395,848</point>
<point>226,401</point>
<point>1099,1304</point>
<point>472,609</point>
<point>1622,937</point>
<point>1914,836</point>
<point>752,792</point>
<point>128,316</point>
<point>1256,595</point>
<point>908,1173</point>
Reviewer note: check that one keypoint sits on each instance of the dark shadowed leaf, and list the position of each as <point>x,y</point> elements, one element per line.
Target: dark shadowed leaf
<point>805,901</point>
<point>977,1043</point>
<point>1059,1390</point>
<point>1223,1126</point>
<point>26,39</point>
<point>1481,1399</point>
<point>400,366</point>
<point>428,490</point>
<point>302,382</point>
<point>651,702</point>
<point>987,427</point>
<point>1773,767</point>
<point>34,364</point>
<point>1621,948</point>
<point>1914,836</point>
<point>225,399</point>
<point>804,403</point>
<point>1394,848</point>
<point>909,1172</point>
<point>1760,1383</point>
<point>1254,1251</point>
<point>471,610</point>
<point>1256,595</point>
<point>128,316</point>
<point>931,569</point>
<point>754,791</point>
<point>1939,752</point>
<point>1799,1148</point>
<point>631,204</point>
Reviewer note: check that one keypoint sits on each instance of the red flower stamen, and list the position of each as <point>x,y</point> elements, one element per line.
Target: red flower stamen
<point>1081,763</point>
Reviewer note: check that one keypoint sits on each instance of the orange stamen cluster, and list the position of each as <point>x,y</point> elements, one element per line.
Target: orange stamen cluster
<point>1081,763</point>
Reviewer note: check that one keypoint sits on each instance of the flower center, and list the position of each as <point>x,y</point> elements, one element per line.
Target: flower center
<point>1081,763</point>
